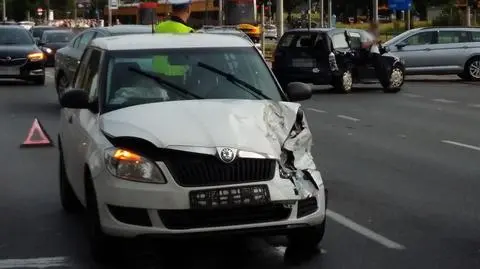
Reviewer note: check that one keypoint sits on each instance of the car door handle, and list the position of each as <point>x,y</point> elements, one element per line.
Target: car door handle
<point>70,119</point>
<point>465,47</point>
<point>428,49</point>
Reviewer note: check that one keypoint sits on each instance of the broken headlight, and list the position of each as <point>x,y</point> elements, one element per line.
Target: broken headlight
<point>128,165</point>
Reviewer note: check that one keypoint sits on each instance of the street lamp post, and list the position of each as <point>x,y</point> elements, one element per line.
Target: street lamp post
<point>4,10</point>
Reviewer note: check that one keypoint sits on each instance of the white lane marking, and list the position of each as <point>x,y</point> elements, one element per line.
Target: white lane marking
<point>412,95</point>
<point>445,101</point>
<point>348,118</point>
<point>49,76</point>
<point>364,231</point>
<point>474,105</point>
<point>50,262</point>
<point>317,110</point>
<point>461,145</point>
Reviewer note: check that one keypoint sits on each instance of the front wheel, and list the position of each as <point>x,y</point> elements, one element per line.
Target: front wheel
<point>308,237</point>
<point>69,200</point>
<point>472,69</point>
<point>39,81</point>
<point>397,78</point>
<point>344,82</point>
<point>102,246</point>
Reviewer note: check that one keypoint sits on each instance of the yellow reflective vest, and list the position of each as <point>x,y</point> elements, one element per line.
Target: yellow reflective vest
<point>160,63</point>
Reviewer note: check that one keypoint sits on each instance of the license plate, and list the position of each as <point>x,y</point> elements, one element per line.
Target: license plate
<point>9,71</point>
<point>303,63</point>
<point>229,197</point>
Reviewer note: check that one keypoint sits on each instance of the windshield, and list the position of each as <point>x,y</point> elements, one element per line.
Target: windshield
<point>15,36</point>
<point>57,37</point>
<point>38,32</point>
<point>137,77</point>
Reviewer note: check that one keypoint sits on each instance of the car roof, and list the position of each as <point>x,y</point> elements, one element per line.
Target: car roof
<point>305,30</point>
<point>11,26</point>
<point>127,28</point>
<point>44,27</point>
<point>58,31</point>
<point>169,41</point>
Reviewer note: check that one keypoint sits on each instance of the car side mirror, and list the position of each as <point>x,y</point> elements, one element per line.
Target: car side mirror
<point>401,45</point>
<point>76,99</point>
<point>298,91</point>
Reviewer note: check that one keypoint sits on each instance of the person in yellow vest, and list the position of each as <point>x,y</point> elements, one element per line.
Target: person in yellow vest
<point>177,23</point>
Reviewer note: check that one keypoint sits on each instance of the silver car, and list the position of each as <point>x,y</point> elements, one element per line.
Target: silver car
<point>439,51</point>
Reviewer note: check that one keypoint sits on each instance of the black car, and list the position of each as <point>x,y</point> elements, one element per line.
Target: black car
<point>20,58</point>
<point>37,31</point>
<point>334,57</point>
<point>68,58</point>
<point>53,40</point>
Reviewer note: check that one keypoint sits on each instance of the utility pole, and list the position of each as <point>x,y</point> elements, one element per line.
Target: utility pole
<point>263,27</point>
<point>4,10</point>
<point>220,12</point>
<point>375,11</point>
<point>322,12</point>
<point>330,12</point>
<point>468,11</point>
<point>279,18</point>
<point>309,14</point>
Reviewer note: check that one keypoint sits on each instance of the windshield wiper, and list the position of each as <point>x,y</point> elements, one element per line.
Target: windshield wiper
<point>162,81</point>
<point>232,78</point>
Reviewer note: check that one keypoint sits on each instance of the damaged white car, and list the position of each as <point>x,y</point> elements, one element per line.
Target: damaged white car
<point>186,135</point>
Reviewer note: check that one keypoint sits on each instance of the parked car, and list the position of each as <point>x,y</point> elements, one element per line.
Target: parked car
<point>270,31</point>
<point>128,157</point>
<point>439,51</point>
<point>37,31</point>
<point>68,58</point>
<point>53,40</point>
<point>333,57</point>
<point>27,24</point>
<point>20,58</point>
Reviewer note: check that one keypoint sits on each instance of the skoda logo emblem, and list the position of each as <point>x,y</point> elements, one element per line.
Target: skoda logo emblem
<point>227,155</point>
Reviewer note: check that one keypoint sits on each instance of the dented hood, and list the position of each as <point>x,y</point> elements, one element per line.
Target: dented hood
<point>252,125</point>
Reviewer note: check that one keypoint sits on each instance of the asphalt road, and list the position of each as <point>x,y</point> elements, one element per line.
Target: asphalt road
<point>403,172</point>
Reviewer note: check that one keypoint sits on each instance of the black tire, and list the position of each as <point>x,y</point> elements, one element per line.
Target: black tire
<point>396,80</point>
<point>61,85</point>
<point>308,237</point>
<point>472,69</point>
<point>343,82</point>
<point>462,76</point>
<point>102,246</point>
<point>39,81</point>
<point>69,200</point>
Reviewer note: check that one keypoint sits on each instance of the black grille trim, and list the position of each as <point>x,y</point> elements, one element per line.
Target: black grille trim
<point>13,62</point>
<point>306,207</point>
<point>198,170</point>
<point>132,216</point>
<point>204,218</point>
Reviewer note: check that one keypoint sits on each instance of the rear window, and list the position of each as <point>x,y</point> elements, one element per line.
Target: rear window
<point>476,36</point>
<point>300,40</point>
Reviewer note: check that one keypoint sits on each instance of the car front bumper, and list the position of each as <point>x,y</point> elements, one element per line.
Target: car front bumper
<point>27,70</point>
<point>132,209</point>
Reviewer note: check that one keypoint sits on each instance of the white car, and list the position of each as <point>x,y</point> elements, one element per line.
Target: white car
<point>214,147</point>
<point>27,24</point>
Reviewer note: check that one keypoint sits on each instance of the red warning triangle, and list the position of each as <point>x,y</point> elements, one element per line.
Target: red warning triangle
<point>37,136</point>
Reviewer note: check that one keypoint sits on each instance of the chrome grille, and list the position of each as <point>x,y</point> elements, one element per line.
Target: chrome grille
<point>7,61</point>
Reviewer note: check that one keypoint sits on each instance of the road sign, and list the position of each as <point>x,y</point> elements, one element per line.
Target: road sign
<point>113,4</point>
<point>400,4</point>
